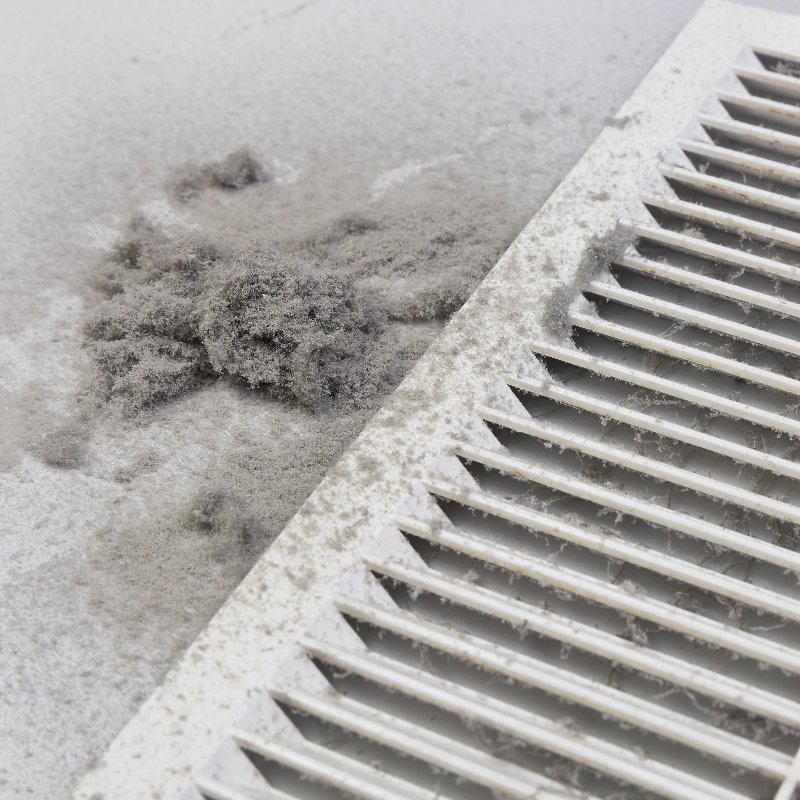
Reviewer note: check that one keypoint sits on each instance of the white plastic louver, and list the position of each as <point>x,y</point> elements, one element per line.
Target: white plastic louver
<point>556,564</point>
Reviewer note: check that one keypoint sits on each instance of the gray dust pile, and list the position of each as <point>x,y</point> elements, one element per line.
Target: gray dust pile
<point>313,322</point>
<point>181,313</point>
<point>273,342</point>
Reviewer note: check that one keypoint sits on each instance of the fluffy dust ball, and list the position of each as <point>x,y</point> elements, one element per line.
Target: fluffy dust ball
<point>296,333</point>
<point>180,313</point>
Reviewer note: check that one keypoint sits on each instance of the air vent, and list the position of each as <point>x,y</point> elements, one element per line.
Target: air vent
<point>563,561</point>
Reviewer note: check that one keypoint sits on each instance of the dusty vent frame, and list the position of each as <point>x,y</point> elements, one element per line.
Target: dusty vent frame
<point>562,560</point>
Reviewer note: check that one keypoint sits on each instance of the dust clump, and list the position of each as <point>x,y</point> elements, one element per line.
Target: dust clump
<point>237,170</point>
<point>145,253</point>
<point>294,342</point>
<point>220,512</point>
<point>602,250</point>
<point>142,464</point>
<point>180,313</point>
<point>305,322</point>
<point>66,445</point>
<point>142,371</point>
<point>622,122</point>
<point>599,253</point>
<point>345,226</point>
<point>299,335</point>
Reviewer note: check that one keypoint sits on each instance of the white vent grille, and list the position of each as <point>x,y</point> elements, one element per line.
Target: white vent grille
<point>590,586</point>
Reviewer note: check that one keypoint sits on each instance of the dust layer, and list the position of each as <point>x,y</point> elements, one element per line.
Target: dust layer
<point>231,361</point>
<point>312,320</point>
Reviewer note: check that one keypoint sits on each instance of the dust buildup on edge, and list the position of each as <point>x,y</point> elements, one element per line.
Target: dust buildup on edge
<point>597,256</point>
<point>180,313</point>
<point>235,171</point>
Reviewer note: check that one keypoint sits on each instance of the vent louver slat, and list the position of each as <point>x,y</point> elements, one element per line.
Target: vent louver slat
<point>665,428</point>
<point>605,542</point>
<point>718,253</point>
<point>770,81</point>
<point>697,319</point>
<point>711,286</point>
<point>730,190</point>
<point>731,222</point>
<point>218,790</point>
<point>619,597</point>
<point>694,355</point>
<point>413,739</point>
<point>755,135</point>
<point>640,378</point>
<point>746,162</point>
<point>647,466</point>
<point>767,109</point>
<point>580,577</point>
<point>360,780</point>
<point>627,504</point>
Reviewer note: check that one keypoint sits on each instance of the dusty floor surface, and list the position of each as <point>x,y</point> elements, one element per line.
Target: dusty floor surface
<point>447,131</point>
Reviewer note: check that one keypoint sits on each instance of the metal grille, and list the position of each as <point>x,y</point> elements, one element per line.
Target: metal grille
<point>592,592</point>
<point>642,513</point>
